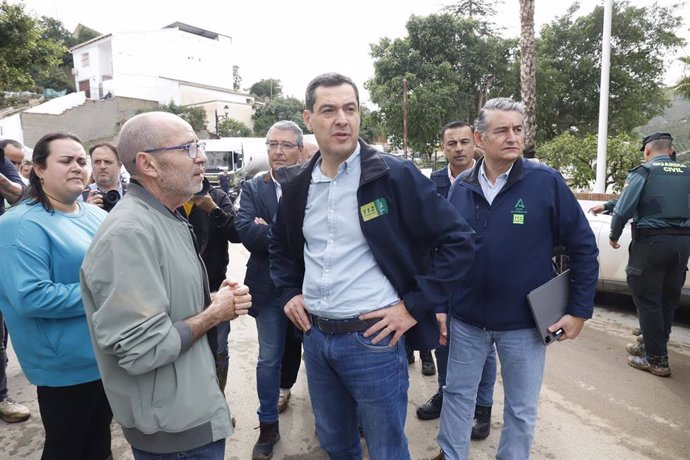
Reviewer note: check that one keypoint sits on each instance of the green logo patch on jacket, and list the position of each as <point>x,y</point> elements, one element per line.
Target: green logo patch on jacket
<point>519,212</point>
<point>373,209</point>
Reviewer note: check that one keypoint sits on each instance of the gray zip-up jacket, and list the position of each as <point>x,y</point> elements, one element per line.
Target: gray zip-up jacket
<point>141,278</point>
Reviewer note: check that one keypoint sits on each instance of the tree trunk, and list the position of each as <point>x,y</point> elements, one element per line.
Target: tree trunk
<point>528,79</point>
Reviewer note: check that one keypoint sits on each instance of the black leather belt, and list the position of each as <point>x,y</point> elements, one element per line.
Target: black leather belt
<point>647,232</point>
<point>342,326</point>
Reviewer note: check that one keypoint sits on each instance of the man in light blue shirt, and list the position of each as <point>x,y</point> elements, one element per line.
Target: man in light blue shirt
<point>348,258</point>
<point>342,279</point>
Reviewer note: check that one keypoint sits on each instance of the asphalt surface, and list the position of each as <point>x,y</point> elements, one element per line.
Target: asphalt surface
<point>593,405</point>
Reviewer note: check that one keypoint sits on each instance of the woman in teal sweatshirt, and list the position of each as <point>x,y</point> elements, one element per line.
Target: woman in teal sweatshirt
<point>42,244</point>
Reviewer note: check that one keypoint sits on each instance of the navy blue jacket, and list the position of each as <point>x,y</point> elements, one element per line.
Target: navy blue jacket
<point>8,169</point>
<point>399,239</point>
<point>440,178</point>
<point>258,199</point>
<point>515,236</point>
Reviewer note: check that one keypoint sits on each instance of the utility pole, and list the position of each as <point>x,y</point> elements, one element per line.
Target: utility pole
<point>600,184</point>
<point>405,117</point>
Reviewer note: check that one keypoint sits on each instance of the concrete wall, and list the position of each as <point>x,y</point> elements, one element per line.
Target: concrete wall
<point>237,111</point>
<point>214,101</point>
<point>93,122</point>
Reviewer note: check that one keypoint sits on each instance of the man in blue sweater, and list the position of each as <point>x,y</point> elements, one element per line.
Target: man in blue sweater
<point>520,210</point>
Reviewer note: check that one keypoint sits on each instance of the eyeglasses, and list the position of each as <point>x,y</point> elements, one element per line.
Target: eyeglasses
<point>192,149</point>
<point>285,145</point>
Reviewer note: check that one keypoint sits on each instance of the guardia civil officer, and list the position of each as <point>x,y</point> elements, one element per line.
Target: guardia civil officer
<point>656,196</point>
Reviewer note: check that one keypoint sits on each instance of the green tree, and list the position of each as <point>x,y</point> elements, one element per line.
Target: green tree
<point>568,69</point>
<point>267,89</point>
<point>233,128</point>
<point>58,77</point>
<point>472,8</point>
<point>25,56</point>
<point>84,34</point>
<point>371,127</point>
<point>451,64</point>
<point>576,155</point>
<point>278,109</point>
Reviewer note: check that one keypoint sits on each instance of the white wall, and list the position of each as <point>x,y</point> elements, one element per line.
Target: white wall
<point>99,64</point>
<point>60,104</point>
<point>11,128</point>
<point>174,54</point>
<point>143,87</point>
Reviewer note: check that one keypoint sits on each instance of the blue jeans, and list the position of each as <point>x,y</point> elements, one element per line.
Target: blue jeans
<point>212,451</point>
<point>522,355</point>
<point>485,393</point>
<point>350,381</point>
<point>271,324</point>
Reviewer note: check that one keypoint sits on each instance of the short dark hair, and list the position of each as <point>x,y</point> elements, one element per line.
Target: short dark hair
<point>454,125</point>
<point>5,142</point>
<point>107,145</point>
<point>329,80</point>
<point>40,157</point>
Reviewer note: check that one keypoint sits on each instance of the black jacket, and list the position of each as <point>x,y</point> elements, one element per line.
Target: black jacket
<point>213,231</point>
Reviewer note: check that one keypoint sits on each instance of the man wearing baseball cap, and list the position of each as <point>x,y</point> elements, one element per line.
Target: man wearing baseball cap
<point>657,197</point>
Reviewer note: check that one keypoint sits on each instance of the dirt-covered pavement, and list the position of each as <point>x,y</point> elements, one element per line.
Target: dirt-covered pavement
<point>593,405</point>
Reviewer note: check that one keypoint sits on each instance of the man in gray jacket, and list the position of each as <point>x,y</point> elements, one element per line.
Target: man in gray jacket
<point>147,299</point>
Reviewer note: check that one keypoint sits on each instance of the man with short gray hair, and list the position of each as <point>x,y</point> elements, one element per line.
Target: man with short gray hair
<point>258,205</point>
<point>520,210</point>
<point>146,294</point>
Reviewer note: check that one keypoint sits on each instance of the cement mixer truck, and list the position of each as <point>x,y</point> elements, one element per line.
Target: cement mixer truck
<point>240,156</point>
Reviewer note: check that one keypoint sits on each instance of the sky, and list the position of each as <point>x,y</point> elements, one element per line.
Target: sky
<point>294,41</point>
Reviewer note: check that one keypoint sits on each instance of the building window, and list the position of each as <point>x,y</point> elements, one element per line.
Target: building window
<point>84,59</point>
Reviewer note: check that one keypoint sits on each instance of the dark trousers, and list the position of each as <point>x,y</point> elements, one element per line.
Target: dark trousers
<point>292,357</point>
<point>76,420</point>
<point>656,273</point>
<point>3,359</point>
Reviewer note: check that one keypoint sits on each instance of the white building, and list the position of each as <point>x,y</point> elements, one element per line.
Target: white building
<point>179,63</point>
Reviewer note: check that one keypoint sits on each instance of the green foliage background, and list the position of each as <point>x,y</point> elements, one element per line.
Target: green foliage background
<point>576,156</point>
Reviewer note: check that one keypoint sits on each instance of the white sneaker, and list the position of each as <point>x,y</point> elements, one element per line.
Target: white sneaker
<point>11,412</point>
<point>283,399</point>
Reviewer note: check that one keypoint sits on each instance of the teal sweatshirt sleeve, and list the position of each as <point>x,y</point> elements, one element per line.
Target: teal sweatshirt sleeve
<point>32,260</point>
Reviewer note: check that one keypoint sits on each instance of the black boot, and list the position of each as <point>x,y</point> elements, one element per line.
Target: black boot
<point>269,435</point>
<point>432,408</point>
<point>428,366</point>
<point>481,425</point>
